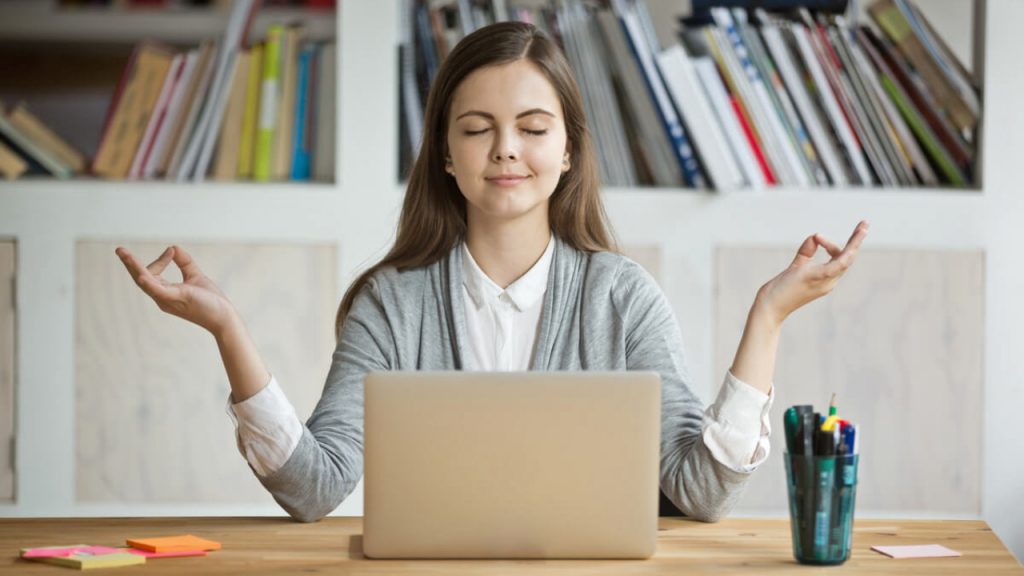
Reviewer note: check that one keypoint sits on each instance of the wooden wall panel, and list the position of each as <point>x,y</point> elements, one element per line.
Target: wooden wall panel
<point>7,369</point>
<point>151,390</point>
<point>900,341</point>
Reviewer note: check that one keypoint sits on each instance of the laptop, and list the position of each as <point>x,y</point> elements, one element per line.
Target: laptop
<point>511,464</point>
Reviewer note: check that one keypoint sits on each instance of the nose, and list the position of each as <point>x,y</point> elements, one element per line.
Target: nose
<point>505,148</point>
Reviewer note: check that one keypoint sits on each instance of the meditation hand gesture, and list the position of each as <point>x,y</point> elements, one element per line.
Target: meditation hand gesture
<point>804,280</point>
<point>196,299</point>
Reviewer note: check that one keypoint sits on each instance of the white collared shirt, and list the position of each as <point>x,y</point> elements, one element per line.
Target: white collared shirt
<point>502,326</point>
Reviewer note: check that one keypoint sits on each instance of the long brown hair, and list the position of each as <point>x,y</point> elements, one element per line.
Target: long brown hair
<point>433,218</point>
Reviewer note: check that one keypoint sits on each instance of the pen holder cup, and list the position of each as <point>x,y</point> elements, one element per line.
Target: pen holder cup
<point>822,493</point>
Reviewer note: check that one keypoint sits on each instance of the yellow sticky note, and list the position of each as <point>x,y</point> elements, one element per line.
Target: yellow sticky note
<point>85,561</point>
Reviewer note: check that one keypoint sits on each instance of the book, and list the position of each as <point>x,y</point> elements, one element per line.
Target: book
<point>650,140</point>
<point>793,78</point>
<point>912,114</point>
<point>710,43</point>
<point>907,142</point>
<point>155,163</point>
<point>714,88</point>
<point>38,159</point>
<point>584,50</point>
<point>195,97</point>
<point>684,87</point>
<point>301,137</point>
<point>35,130</point>
<point>898,162</point>
<point>11,164</point>
<point>796,132</point>
<point>250,116</point>
<point>922,100</point>
<point>325,117</point>
<point>270,94</point>
<point>641,47</point>
<point>748,106</point>
<point>894,24</point>
<point>784,134</point>
<point>837,119</point>
<point>281,166</point>
<point>197,157</point>
<point>130,109</point>
<point>156,118</point>
<point>225,166</point>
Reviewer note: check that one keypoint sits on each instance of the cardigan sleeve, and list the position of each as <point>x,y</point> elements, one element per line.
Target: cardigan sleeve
<point>327,462</point>
<point>691,477</point>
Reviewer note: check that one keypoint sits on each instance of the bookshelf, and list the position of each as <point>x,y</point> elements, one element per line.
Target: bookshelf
<point>357,214</point>
<point>28,20</point>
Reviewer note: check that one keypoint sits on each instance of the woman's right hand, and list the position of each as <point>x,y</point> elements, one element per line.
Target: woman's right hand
<point>196,299</point>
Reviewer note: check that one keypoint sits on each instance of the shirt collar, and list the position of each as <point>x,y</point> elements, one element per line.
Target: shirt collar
<point>524,292</point>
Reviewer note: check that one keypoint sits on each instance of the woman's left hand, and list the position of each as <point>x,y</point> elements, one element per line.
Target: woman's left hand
<point>804,280</point>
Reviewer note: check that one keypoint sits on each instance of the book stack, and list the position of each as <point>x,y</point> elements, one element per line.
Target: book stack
<point>29,147</point>
<point>226,110</point>
<point>748,99</point>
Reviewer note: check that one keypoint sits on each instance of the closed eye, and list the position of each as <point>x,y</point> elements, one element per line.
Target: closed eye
<point>530,132</point>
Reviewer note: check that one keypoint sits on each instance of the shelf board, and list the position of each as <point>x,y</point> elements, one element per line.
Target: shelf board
<point>224,210</point>
<point>24,20</point>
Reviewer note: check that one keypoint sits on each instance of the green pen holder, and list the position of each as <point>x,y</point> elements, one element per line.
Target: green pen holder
<point>822,494</point>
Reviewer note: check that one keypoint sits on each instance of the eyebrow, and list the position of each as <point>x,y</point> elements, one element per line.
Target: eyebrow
<point>491,116</point>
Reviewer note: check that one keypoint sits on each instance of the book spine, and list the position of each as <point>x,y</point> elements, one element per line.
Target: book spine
<point>252,107</point>
<point>673,127</point>
<point>713,86</point>
<point>269,96</point>
<point>300,137</point>
<point>50,162</point>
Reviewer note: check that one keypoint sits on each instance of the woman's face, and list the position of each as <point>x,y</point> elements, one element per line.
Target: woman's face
<point>507,143</point>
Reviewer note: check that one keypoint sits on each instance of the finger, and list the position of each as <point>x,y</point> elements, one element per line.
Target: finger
<point>859,233</point>
<point>142,276</point>
<point>839,264</point>
<point>189,269</point>
<point>157,266</point>
<point>807,249</point>
<point>833,250</point>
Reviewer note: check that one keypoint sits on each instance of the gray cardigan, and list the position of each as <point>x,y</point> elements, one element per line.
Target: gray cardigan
<point>601,311</point>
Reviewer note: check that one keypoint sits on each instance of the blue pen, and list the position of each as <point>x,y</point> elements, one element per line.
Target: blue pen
<point>850,438</point>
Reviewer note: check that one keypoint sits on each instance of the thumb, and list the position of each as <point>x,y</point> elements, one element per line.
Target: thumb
<point>807,249</point>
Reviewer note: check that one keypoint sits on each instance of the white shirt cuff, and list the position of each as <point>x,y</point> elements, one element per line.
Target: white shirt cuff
<point>736,425</point>
<point>266,427</point>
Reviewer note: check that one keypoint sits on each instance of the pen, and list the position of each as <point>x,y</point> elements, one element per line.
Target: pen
<point>790,421</point>
<point>824,466</point>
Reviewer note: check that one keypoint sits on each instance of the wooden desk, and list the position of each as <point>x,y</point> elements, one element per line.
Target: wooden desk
<point>333,545</point>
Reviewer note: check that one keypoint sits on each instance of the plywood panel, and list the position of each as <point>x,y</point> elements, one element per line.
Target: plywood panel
<point>7,370</point>
<point>647,255</point>
<point>900,341</point>
<point>151,390</point>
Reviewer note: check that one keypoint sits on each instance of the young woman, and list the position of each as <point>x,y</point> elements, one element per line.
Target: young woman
<point>503,261</point>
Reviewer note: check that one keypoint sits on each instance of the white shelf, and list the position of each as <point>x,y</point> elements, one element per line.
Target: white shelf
<point>22,20</point>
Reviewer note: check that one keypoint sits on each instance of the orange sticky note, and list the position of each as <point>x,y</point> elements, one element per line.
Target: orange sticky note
<point>174,543</point>
<point>171,554</point>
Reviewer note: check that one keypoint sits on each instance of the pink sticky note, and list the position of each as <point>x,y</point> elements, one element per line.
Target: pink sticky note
<point>57,551</point>
<point>921,551</point>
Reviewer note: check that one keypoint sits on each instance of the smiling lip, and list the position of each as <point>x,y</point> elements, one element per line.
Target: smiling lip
<point>507,179</point>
